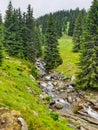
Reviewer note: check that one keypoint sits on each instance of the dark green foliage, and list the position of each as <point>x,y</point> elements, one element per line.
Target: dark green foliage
<point>54,115</point>
<point>88,75</point>
<point>37,41</point>
<point>0,19</point>
<point>1,55</point>
<point>12,38</point>
<point>62,18</point>
<point>78,30</point>
<point>48,98</point>
<point>24,35</point>
<point>21,35</point>
<point>42,21</point>
<point>1,39</point>
<point>52,57</point>
<point>32,40</point>
<point>72,18</point>
<point>1,30</point>
<point>30,47</point>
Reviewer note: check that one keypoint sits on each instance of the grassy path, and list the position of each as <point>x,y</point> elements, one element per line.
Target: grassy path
<point>70,58</point>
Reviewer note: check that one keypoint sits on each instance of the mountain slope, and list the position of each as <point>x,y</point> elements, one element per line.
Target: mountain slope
<point>19,91</point>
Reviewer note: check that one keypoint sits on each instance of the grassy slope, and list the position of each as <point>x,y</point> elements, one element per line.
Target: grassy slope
<point>69,58</point>
<point>15,81</point>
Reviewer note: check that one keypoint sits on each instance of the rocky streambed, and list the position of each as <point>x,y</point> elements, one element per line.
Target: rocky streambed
<point>79,107</point>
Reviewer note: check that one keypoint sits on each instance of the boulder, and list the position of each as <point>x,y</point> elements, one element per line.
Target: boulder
<point>9,119</point>
<point>58,105</point>
<point>23,123</point>
<point>70,100</point>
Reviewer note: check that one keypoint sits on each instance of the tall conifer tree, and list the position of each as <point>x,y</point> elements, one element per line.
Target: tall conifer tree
<point>37,40</point>
<point>8,28</point>
<point>1,55</point>
<point>52,57</point>
<point>31,51</point>
<point>72,18</point>
<point>88,75</point>
<point>1,39</point>
<point>12,38</point>
<point>78,30</point>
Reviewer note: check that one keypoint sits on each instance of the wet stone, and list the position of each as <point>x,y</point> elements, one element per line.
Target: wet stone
<point>58,106</point>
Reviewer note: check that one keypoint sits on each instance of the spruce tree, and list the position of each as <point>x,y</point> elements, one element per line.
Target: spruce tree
<point>52,57</point>
<point>1,30</point>
<point>72,19</point>
<point>1,39</point>
<point>31,51</point>
<point>78,30</point>
<point>88,76</point>
<point>17,45</point>
<point>1,55</point>
<point>7,25</point>
<point>12,38</point>
<point>37,41</point>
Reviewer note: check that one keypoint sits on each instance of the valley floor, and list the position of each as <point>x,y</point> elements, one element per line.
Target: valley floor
<point>70,59</point>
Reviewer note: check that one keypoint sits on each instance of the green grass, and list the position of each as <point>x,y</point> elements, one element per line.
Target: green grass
<point>15,80</point>
<point>70,59</point>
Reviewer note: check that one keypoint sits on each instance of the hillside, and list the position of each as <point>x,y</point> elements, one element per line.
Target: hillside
<point>70,59</point>
<point>19,91</point>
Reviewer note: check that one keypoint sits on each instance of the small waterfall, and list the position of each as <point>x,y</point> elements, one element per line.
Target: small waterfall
<point>91,112</point>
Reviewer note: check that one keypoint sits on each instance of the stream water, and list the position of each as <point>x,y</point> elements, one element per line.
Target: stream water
<point>63,94</point>
<point>91,112</point>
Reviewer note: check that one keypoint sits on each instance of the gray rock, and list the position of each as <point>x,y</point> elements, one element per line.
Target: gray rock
<point>69,90</point>
<point>23,123</point>
<point>50,84</point>
<point>81,128</point>
<point>53,90</point>
<point>61,84</point>
<point>43,84</point>
<point>72,126</point>
<point>55,83</point>
<point>62,90</point>
<point>70,100</point>
<point>63,101</point>
<point>48,77</point>
<point>58,105</point>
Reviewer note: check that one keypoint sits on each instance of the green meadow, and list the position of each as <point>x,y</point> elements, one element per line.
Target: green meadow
<point>70,58</point>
